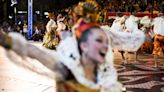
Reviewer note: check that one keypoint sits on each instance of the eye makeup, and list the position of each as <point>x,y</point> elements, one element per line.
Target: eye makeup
<point>99,40</point>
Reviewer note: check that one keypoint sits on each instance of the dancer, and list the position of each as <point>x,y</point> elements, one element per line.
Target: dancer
<point>158,50</point>
<point>50,40</point>
<point>158,23</point>
<point>88,71</point>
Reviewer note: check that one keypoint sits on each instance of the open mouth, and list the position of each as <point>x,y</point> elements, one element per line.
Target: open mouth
<point>102,54</point>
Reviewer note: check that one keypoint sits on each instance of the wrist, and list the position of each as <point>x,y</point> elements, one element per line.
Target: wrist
<point>5,40</point>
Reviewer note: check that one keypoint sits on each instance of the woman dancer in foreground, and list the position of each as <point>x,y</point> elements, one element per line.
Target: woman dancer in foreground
<point>87,68</point>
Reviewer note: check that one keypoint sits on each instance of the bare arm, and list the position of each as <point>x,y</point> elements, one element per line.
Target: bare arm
<point>5,40</point>
<point>47,57</point>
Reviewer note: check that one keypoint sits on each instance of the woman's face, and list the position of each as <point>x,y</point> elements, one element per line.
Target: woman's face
<point>96,46</point>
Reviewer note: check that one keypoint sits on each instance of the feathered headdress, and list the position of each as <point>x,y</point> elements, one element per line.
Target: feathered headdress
<point>88,9</point>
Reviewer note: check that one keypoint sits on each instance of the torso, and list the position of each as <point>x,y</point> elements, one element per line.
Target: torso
<point>71,85</point>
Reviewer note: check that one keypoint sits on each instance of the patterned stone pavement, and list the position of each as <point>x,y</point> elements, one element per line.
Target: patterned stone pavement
<point>139,80</point>
<point>142,77</point>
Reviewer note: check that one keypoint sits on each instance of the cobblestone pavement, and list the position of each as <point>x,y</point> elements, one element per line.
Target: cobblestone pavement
<point>141,76</point>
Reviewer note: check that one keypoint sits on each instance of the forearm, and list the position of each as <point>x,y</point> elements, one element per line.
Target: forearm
<point>49,59</point>
<point>46,57</point>
<point>19,45</point>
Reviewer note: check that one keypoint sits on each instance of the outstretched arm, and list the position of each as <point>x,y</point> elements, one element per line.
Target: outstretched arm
<point>19,45</point>
<point>48,58</point>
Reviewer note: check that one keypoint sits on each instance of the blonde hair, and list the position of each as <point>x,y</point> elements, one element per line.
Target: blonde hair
<point>51,15</point>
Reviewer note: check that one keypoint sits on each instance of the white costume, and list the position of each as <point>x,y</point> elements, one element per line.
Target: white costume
<point>61,29</point>
<point>158,23</point>
<point>122,40</point>
<point>106,78</point>
<point>51,24</point>
<point>126,41</point>
<point>146,21</point>
<point>116,26</point>
<point>60,25</point>
<point>131,23</point>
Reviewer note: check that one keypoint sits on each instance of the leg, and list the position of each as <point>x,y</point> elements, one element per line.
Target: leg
<point>136,56</point>
<point>122,54</point>
<point>156,50</point>
<point>124,61</point>
<point>155,61</point>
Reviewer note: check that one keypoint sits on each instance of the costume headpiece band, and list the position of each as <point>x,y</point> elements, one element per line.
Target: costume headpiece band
<point>84,27</point>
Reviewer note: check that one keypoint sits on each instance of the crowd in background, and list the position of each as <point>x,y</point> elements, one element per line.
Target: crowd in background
<point>135,5</point>
<point>38,29</point>
<point>109,6</point>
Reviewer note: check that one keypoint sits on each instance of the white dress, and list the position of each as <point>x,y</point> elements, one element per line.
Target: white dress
<point>51,23</point>
<point>131,23</point>
<point>158,23</point>
<point>122,40</point>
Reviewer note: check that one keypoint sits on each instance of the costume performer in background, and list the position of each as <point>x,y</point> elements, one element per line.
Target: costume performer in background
<point>50,39</point>
<point>158,24</point>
